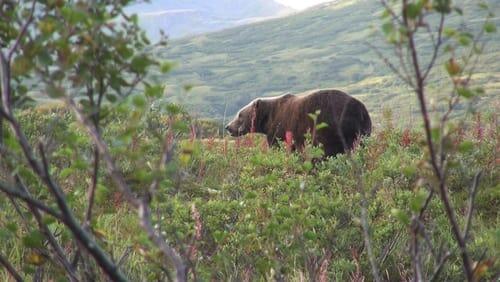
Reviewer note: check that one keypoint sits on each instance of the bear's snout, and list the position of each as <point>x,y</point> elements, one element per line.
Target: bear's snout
<point>230,130</point>
<point>234,129</point>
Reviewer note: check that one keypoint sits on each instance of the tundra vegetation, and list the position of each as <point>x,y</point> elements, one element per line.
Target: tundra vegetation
<point>111,182</point>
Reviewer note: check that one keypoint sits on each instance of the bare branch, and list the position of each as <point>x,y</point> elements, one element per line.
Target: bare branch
<point>114,172</point>
<point>124,256</point>
<point>391,12</point>
<point>23,31</point>
<point>470,209</point>
<point>166,157</point>
<point>402,61</point>
<point>91,191</point>
<point>415,250</point>
<point>421,230</point>
<point>10,269</point>
<point>437,46</point>
<point>142,205</point>
<point>366,230</point>
<point>393,68</point>
<point>50,237</point>
<point>438,170</point>
<point>439,267</point>
<point>168,252</point>
<point>426,204</point>
<point>7,189</point>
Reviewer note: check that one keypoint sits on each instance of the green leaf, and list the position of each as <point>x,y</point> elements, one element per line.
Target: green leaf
<point>483,5</point>
<point>401,216</point>
<point>309,235</point>
<point>155,91</point>
<point>44,58</point>
<point>321,125</point>
<point>442,6</point>
<point>21,66</point>
<point>166,67</point>
<point>47,26</point>
<point>66,172</point>
<point>139,101</point>
<point>435,133</point>
<point>140,63</point>
<point>124,51</point>
<point>54,91</point>
<point>308,166</point>
<point>452,67</point>
<point>387,28</point>
<point>413,10</point>
<point>12,227</point>
<point>449,32</point>
<point>464,40</point>
<point>410,171</point>
<point>417,203</point>
<point>188,87</point>
<point>48,220</point>
<point>173,109</point>
<point>465,92</point>
<point>101,194</point>
<point>34,239</point>
<point>466,147</point>
<point>111,98</point>
<point>489,27</point>
<point>5,235</point>
<point>72,15</point>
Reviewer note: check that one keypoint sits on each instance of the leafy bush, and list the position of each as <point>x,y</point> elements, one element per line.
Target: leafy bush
<point>260,212</point>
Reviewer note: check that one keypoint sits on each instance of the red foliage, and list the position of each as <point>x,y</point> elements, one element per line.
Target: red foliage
<point>478,128</point>
<point>289,141</point>
<point>406,138</point>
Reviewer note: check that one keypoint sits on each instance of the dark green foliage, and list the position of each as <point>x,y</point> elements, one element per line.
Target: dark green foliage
<point>262,213</point>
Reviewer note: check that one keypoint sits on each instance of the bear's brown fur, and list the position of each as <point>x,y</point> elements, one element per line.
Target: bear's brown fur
<point>346,117</point>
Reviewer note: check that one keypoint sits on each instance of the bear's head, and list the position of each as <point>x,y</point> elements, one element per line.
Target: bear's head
<point>244,120</point>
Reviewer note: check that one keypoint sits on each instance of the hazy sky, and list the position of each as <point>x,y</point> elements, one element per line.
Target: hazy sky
<point>301,4</point>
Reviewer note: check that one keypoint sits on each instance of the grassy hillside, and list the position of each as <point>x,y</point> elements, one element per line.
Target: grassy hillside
<point>322,47</point>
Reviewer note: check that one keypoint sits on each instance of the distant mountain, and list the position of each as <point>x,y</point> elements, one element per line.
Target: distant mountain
<point>188,17</point>
<point>326,46</point>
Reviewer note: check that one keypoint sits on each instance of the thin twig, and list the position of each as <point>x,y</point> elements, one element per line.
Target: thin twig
<point>470,209</point>
<point>124,256</point>
<point>50,237</point>
<point>440,266</point>
<point>415,249</point>
<point>438,171</point>
<point>165,158</point>
<point>81,234</point>
<point>390,65</point>
<point>366,230</point>
<point>6,188</point>
<point>437,46</point>
<point>391,12</point>
<point>10,269</point>
<point>142,204</point>
<point>23,31</point>
<point>426,204</point>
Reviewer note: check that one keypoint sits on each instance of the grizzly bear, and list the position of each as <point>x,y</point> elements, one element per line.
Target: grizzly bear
<point>347,119</point>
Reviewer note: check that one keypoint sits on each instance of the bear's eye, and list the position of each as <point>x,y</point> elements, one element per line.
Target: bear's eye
<point>239,115</point>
